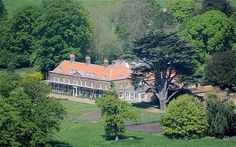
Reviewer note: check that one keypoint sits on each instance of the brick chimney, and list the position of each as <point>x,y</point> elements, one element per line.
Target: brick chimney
<point>87,60</point>
<point>106,63</point>
<point>72,58</point>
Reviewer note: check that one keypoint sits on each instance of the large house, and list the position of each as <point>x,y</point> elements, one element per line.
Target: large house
<point>92,81</point>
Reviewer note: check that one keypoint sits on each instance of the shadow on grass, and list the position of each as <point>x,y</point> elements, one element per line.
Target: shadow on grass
<point>144,105</point>
<point>56,143</point>
<point>123,138</point>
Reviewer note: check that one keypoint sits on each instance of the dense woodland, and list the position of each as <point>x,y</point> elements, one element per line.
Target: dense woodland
<point>194,39</point>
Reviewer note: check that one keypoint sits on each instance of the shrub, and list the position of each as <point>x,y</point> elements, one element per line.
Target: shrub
<point>185,117</point>
<point>219,115</point>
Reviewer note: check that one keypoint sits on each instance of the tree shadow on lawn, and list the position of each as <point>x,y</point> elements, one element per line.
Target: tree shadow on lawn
<point>56,143</point>
<point>145,105</point>
<point>123,138</point>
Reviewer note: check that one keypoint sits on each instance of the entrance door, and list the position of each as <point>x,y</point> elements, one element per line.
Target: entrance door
<point>75,91</point>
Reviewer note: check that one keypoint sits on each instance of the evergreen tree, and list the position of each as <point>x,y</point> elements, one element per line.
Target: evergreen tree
<point>219,115</point>
<point>221,5</point>
<point>163,56</point>
<point>221,70</point>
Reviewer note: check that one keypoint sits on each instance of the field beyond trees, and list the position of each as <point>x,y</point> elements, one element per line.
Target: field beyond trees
<point>76,132</point>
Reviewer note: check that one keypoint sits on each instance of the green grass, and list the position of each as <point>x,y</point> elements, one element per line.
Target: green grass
<point>90,134</point>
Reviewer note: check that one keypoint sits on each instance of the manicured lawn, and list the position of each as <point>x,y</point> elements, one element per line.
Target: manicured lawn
<point>90,133</point>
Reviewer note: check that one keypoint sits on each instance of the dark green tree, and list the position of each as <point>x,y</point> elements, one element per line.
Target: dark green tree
<point>28,116</point>
<point>221,5</point>
<point>17,38</point>
<point>219,115</point>
<point>115,112</point>
<point>161,57</point>
<point>63,28</point>
<point>3,10</point>
<point>221,70</point>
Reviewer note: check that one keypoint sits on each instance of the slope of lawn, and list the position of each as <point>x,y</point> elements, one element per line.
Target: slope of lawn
<point>90,133</point>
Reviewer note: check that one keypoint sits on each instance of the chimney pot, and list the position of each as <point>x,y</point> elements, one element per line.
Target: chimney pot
<point>88,60</point>
<point>72,58</point>
<point>106,63</point>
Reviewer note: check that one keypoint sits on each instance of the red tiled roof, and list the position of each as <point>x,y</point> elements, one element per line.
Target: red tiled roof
<point>118,70</point>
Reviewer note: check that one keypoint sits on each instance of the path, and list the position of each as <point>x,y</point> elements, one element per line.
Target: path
<point>72,98</point>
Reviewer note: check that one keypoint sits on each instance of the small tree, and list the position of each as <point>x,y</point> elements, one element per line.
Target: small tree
<point>184,118</point>
<point>115,113</point>
<point>219,116</point>
<point>221,70</point>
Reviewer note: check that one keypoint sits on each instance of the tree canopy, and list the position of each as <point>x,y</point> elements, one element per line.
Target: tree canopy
<point>182,10</point>
<point>69,30</point>
<point>163,56</point>
<point>3,11</point>
<point>221,70</point>
<point>219,116</point>
<point>115,112</point>
<point>28,116</point>
<point>221,5</point>
<point>185,118</point>
<point>209,32</point>
<point>44,35</point>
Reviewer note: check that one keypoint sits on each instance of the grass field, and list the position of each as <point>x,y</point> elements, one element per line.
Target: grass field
<point>90,133</point>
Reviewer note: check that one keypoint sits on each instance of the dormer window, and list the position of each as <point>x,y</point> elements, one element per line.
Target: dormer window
<point>93,75</point>
<point>121,77</point>
<point>104,77</point>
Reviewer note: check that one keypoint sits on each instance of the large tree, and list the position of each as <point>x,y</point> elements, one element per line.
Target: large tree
<point>63,28</point>
<point>44,35</point>
<point>221,70</point>
<point>17,38</point>
<point>28,116</point>
<point>209,32</point>
<point>163,57</point>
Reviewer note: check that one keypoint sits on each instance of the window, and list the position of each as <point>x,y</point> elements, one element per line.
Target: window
<point>79,82</point>
<point>93,75</point>
<point>100,86</point>
<point>132,96</point>
<point>127,94</point>
<point>104,77</point>
<point>85,83</point>
<point>54,78</point>
<point>120,86</point>
<point>142,96</point>
<point>121,76</point>
<point>106,87</point>
<point>121,95</point>
<point>66,80</point>
<point>127,84</point>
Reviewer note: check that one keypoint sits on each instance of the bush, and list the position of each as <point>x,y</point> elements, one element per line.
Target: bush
<point>219,115</point>
<point>185,117</point>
